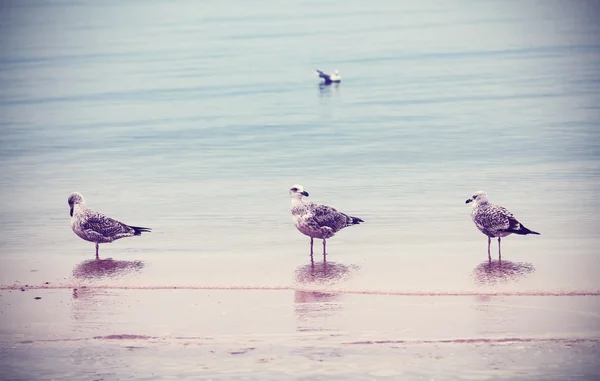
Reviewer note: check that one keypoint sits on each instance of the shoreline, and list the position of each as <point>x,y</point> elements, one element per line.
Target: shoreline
<point>330,290</point>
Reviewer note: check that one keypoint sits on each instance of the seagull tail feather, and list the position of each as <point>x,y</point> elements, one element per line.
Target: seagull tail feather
<point>354,220</point>
<point>522,231</point>
<point>138,230</point>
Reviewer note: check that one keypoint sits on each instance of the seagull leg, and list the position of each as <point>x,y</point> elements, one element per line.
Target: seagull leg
<point>311,246</point>
<point>97,246</point>
<point>499,251</point>
<point>324,248</point>
<point>489,255</point>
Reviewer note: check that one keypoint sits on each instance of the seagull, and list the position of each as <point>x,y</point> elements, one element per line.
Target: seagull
<point>328,79</point>
<point>317,221</point>
<point>494,220</point>
<point>96,227</point>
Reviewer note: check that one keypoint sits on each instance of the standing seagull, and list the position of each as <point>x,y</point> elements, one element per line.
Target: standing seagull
<point>494,220</point>
<point>328,79</point>
<point>96,227</point>
<point>317,221</point>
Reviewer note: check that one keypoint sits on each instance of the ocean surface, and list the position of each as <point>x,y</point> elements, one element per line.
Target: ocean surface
<point>195,118</point>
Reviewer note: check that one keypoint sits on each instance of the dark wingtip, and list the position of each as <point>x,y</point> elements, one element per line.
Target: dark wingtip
<point>528,231</point>
<point>138,230</point>
<point>356,220</point>
<point>522,231</point>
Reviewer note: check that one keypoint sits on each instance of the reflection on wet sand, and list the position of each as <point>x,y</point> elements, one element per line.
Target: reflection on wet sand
<point>311,307</point>
<point>496,272</point>
<point>324,272</point>
<point>105,268</point>
<point>91,303</point>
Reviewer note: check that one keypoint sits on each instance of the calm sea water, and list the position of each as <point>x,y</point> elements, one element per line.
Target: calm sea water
<point>195,118</point>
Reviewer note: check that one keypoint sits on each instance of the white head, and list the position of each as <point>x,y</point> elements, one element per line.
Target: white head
<point>336,72</point>
<point>74,199</point>
<point>479,197</point>
<point>297,191</point>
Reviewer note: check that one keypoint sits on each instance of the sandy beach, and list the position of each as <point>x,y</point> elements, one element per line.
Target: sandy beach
<point>251,334</point>
<point>104,323</point>
<point>195,119</point>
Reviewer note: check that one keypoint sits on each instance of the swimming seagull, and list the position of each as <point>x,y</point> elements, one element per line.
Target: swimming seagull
<point>330,78</point>
<point>494,220</point>
<point>96,227</point>
<point>317,221</point>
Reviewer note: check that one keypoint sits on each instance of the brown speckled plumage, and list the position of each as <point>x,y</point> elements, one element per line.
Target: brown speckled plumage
<point>317,221</point>
<point>96,227</point>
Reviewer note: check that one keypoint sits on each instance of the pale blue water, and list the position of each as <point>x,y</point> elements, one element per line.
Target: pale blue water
<point>195,118</point>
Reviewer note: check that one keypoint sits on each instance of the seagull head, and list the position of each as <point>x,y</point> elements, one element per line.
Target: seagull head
<point>298,191</point>
<point>479,197</point>
<point>336,72</point>
<point>74,199</point>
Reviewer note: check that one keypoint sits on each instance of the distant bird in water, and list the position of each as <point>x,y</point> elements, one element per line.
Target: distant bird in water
<point>328,79</point>
<point>317,221</point>
<point>96,227</point>
<point>494,220</point>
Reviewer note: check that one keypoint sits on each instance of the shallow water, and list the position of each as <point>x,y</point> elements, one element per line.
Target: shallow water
<point>196,118</point>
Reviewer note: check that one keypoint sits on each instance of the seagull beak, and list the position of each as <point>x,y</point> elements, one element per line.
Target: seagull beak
<point>71,212</point>
<point>305,193</point>
<point>468,201</point>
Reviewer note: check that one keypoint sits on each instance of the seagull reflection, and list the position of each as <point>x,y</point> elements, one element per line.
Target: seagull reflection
<point>496,272</point>
<point>90,303</point>
<point>313,307</point>
<point>326,90</point>
<point>324,272</point>
<point>105,268</point>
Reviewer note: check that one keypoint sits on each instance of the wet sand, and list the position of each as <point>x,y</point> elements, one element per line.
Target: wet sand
<point>227,334</point>
<point>195,118</point>
<point>109,321</point>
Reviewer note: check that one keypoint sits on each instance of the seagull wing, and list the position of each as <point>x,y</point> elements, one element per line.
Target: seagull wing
<point>106,226</point>
<point>495,218</point>
<point>326,77</point>
<point>324,215</point>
